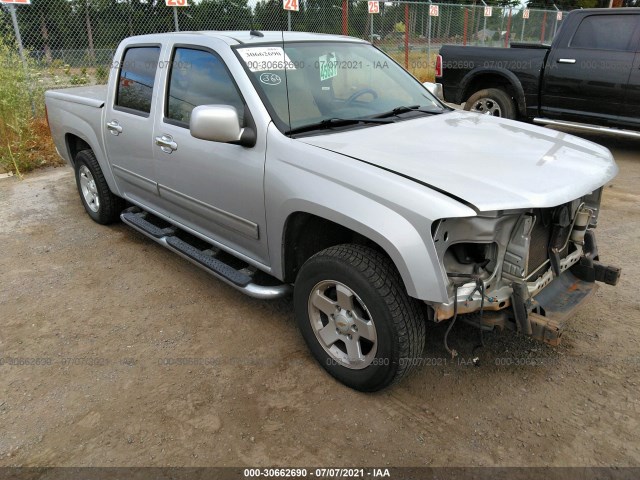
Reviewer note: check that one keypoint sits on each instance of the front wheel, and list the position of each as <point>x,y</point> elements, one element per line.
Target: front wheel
<point>492,101</point>
<point>355,316</point>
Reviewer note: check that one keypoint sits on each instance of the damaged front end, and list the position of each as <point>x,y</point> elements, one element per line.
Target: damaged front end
<point>525,270</point>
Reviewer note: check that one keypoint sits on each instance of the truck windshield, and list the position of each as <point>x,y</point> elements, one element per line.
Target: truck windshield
<point>333,83</point>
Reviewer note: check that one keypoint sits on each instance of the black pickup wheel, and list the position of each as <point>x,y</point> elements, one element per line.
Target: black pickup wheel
<point>491,101</point>
<point>353,311</point>
<point>100,203</point>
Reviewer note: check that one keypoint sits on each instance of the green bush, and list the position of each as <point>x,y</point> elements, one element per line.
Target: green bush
<point>24,140</point>
<point>102,75</point>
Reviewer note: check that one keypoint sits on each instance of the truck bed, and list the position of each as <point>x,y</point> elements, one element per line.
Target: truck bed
<point>524,61</point>
<point>92,96</point>
<point>78,112</point>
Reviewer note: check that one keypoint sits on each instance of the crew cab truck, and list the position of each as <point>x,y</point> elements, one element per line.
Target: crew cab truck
<point>588,78</point>
<point>314,164</point>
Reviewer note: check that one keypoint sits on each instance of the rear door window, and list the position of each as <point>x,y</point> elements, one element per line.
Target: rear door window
<point>606,32</point>
<point>137,78</point>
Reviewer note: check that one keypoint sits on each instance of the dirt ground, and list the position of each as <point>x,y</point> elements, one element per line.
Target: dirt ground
<point>135,357</point>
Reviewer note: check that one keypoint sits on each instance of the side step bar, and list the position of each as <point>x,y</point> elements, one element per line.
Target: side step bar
<point>205,259</point>
<point>588,128</point>
<point>234,276</point>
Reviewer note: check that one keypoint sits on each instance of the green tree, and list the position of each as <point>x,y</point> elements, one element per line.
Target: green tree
<point>217,15</point>
<point>45,26</point>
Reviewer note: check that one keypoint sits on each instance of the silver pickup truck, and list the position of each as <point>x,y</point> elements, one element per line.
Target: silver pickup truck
<point>314,164</point>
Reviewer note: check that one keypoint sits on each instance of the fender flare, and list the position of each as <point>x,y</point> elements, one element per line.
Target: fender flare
<point>508,75</point>
<point>392,232</point>
<point>94,143</point>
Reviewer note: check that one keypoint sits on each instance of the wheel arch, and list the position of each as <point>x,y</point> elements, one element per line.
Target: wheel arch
<point>75,142</point>
<point>306,234</point>
<point>482,77</point>
<point>313,228</point>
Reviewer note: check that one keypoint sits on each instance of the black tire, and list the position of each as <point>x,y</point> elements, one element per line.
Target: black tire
<point>398,319</point>
<point>109,206</point>
<point>491,98</point>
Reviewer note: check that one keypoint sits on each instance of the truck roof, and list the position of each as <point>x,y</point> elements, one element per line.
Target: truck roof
<point>240,37</point>
<point>606,11</point>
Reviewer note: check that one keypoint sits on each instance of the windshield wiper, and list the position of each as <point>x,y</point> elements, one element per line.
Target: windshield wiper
<point>335,122</point>
<point>406,109</point>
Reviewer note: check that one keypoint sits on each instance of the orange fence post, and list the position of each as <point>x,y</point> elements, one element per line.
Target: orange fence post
<point>506,38</point>
<point>345,17</point>
<point>466,21</point>
<point>544,26</point>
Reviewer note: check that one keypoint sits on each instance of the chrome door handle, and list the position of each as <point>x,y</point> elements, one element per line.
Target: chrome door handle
<point>567,60</point>
<point>166,143</point>
<point>114,127</point>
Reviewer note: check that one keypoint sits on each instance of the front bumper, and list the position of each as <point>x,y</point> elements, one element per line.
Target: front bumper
<point>540,309</point>
<point>469,299</point>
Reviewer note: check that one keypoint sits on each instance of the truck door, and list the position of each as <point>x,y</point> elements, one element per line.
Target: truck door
<point>215,189</point>
<point>587,72</point>
<point>128,123</point>
<point>630,113</point>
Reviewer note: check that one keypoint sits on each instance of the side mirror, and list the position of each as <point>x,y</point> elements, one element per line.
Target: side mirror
<point>435,89</point>
<point>220,123</point>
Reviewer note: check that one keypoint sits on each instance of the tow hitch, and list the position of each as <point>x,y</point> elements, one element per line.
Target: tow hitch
<point>594,271</point>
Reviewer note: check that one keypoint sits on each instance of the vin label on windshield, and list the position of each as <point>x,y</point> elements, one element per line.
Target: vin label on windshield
<point>259,59</point>
<point>328,66</point>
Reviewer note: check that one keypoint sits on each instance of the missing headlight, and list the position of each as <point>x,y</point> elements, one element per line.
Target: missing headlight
<point>470,258</point>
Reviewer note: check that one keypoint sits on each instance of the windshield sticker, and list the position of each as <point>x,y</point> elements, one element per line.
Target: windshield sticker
<point>270,79</point>
<point>328,66</point>
<point>259,59</point>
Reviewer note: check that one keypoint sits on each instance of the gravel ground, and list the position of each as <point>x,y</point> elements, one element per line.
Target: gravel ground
<point>99,312</point>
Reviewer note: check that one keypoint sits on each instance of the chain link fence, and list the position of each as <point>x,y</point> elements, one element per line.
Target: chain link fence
<point>71,42</point>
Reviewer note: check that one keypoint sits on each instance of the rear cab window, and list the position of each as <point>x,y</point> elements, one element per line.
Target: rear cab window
<point>606,32</point>
<point>136,79</point>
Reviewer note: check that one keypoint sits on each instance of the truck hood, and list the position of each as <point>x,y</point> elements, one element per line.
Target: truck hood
<point>487,162</point>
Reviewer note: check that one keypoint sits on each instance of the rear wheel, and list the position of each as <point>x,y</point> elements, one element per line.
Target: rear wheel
<point>492,101</point>
<point>359,323</point>
<point>99,202</point>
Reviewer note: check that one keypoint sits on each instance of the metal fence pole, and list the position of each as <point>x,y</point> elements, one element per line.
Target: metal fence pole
<point>175,19</point>
<point>555,26</point>
<point>372,17</point>
<point>16,29</point>
<point>406,36</point>
<point>484,27</point>
<point>524,21</point>
<point>289,19</point>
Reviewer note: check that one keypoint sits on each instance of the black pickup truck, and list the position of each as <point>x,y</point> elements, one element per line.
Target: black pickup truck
<point>589,77</point>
